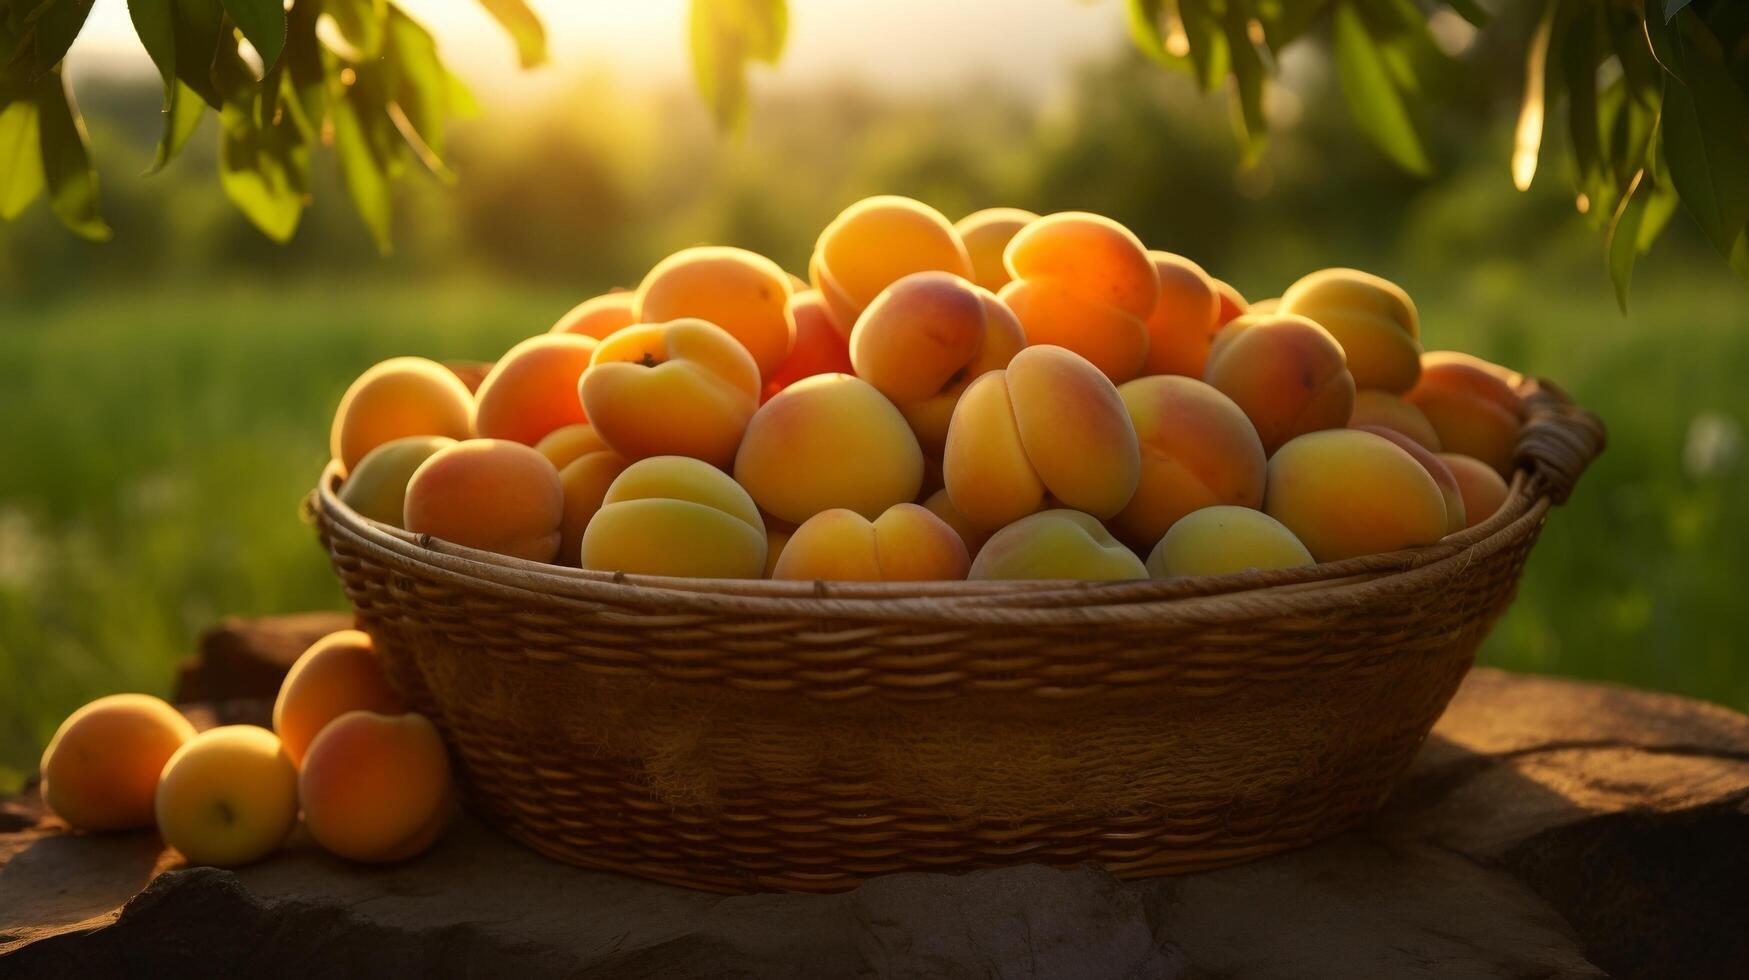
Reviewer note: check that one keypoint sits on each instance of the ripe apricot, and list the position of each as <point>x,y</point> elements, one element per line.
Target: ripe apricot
<point>229,796</point>
<point>585,481</point>
<point>1388,411</point>
<point>941,505</point>
<point>744,293</point>
<point>1232,302</point>
<point>490,494</point>
<point>827,441</point>
<point>402,396</point>
<point>1084,282</point>
<point>675,515</point>
<point>532,390</point>
<point>600,316</point>
<point>1472,405</point>
<point>375,786</point>
<point>927,337</point>
<point>1056,544</point>
<point>100,771</point>
<point>1373,319</point>
<point>905,544</point>
<point>819,347</point>
<point>471,373</point>
<point>1345,493</point>
<point>562,445</point>
<point>1442,475</point>
<point>1198,450</point>
<point>377,487</point>
<point>1184,321</point>
<point>1049,423</point>
<point>876,242</point>
<point>986,234</point>
<point>1285,372</point>
<point>337,674</point>
<point>1224,539</point>
<point>1483,490</point>
<point>680,388</point>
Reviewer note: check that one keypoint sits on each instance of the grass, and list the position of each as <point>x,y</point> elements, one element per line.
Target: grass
<point>158,446</point>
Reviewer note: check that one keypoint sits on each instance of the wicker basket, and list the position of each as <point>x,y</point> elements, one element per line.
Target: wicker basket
<point>741,736</point>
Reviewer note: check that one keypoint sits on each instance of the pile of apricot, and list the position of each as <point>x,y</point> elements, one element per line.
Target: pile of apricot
<point>1008,397</point>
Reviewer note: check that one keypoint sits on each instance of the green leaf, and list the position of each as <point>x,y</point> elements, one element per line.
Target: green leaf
<point>364,175</point>
<point>524,28</point>
<point>1660,205</point>
<point>1705,126</point>
<point>199,26</point>
<point>1579,57</point>
<point>263,23</point>
<point>21,166</point>
<point>1143,18</point>
<point>1373,101</point>
<point>1248,84</point>
<point>181,119</point>
<point>419,86</point>
<point>725,36</point>
<point>1674,7</point>
<point>1740,255</point>
<point>1469,10</point>
<point>264,170</point>
<point>66,161</point>
<point>155,23</point>
<point>1285,21</point>
<point>58,22</point>
<point>1624,239</point>
<point>1208,42</point>
<point>1532,112</point>
<point>361,23</point>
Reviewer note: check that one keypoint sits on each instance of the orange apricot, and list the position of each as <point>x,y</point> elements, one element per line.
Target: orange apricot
<point>402,396</point>
<point>585,481</point>
<point>471,373</point>
<point>532,390</point>
<point>375,787</point>
<point>490,494</point>
<point>941,505</point>
<point>1373,319</point>
<point>819,347</point>
<point>100,771</point>
<point>1197,449</point>
<point>1346,493</point>
<point>744,293</point>
<point>681,388</point>
<point>1285,372</point>
<point>1483,490</point>
<point>986,234</point>
<point>600,316</point>
<point>338,673</point>
<point>876,242</point>
<point>1185,320</point>
<point>1430,461</point>
<point>564,444</point>
<point>1472,406</point>
<point>907,543</point>
<point>1232,302</point>
<point>1084,282</point>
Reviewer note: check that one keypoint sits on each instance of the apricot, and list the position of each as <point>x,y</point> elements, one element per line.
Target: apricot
<point>532,390</point>
<point>1373,319</point>
<point>1472,405</point>
<point>1345,493</point>
<point>986,234</point>
<point>828,441</point>
<point>402,396</point>
<point>1483,490</point>
<point>600,316</point>
<point>1084,282</point>
<point>377,487</point>
<point>1197,449</point>
<point>337,674</point>
<point>1224,539</point>
<point>1056,544</point>
<point>1388,411</point>
<point>585,481</point>
<point>907,543</point>
<point>941,505</point>
<point>1049,423</point>
<point>876,242</point>
<point>819,347</point>
<point>566,443</point>
<point>680,388</point>
<point>1184,321</point>
<point>1442,475</point>
<point>100,771</point>
<point>490,494</point>
<point>1285,372</point>
<point>744,293</point>
<point>927,337</point>
<point>675,515</point>
<point>1270,305</point>
<point>471,373</point>
<point>229,796</point>
<point>375,786</point>
<point>1232,302</point>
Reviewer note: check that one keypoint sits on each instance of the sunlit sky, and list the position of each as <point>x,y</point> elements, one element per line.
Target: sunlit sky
<point>897,45</point>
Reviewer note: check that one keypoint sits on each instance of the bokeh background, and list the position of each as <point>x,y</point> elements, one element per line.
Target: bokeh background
<point>165,397</point>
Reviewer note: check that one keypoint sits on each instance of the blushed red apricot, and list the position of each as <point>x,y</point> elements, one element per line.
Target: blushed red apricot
<point>490,494</point>
<point>1184,321</point>
<point>1285,372</point>
<point>375,787</point>
<point>532,390</point>
<point>1483,490</point>
<point>1084,282</point>
<point>336,674</point>
<point>1198,450</point>
<point>1442,475</point>
<point>819,347</point>
<point>1472,406</point>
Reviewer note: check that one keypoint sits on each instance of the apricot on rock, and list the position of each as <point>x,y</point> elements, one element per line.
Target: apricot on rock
<point>1430,461</point>
<point>490,494</point>
<point>1388,411</point>
<point>100,771</point>
<point>1285,372</point>
<point>337,674</point>
<point>1473,406</point>
<point>926,338</point>
<point>1185,320</point>
<point>585,481</point>
<point>876,242</point>
<point>228,797</point>
<point>377,487</point>
<point>1198,450</point>
<point>1373,319</point>
<point>1084,282</point>
<point>675,515</point>
<point>532,390</point>
<point>986,234</point>
<point>600,316</point>
<point>907,543</point>
<point>574,441</point>
<point>375,786</point>
<point>941,505</point>
<point>680,388</point>
<point>744,293</point>
<point>402,396</point>
<point>1346,493</point>
<point>1483,490</point>
<point>1056,544</point>
<point>828,441</point>
<point>1050,423</point>
<point>819,347</point>
<point>1224,539</point>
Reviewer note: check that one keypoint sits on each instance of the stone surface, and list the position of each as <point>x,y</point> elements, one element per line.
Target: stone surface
<point>1549,829</point>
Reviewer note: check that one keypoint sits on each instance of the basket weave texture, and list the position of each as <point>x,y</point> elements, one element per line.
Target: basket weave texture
<point>752,735</point>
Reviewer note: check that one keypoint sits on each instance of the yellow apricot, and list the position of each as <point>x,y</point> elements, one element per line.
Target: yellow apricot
<point>742,292</point>
<point>601,316</point>
<point>377,487</point>
<point>675,515</point>
<point>1224,539</point>
<point>986,234</point>
<point>1056,544</point>
<point>681,388</point>
<point>1373,319</point>
<point>905,544</point>
<point>1346,493</point>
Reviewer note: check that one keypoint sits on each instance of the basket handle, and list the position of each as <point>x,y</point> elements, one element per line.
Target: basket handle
<point>1559,439</point>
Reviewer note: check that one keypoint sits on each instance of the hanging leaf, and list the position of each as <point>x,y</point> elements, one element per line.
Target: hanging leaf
<point>1373,101</point>
<point>155,23</point>
<point>360,23</point>
<point>524,27</point>
<point>66,162</point>
<point>725,35</point>
<point>1143,17</point>
<point>1705,126</point>
<point>263,23</point>
<point>1527,138</point>
<point>419,86</point>
<point>57,23</point>
<point>1248,84</point>
<point>1285,21</point>
<point>181,118</point>
<point>363,173</point>
<point>1624,239</point>
<point>21,166</point>
<point>1208,42</point>
<point>1580,56</point>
